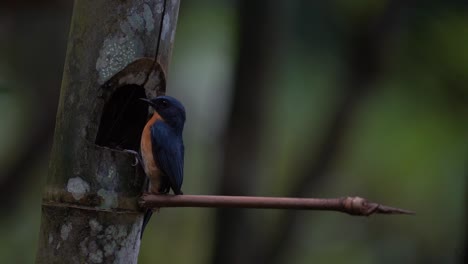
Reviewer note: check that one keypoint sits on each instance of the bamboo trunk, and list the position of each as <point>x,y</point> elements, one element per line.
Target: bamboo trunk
<point>117,51</point>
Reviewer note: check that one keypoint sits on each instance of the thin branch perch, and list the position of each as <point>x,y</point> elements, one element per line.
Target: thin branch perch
<point>350,205</point>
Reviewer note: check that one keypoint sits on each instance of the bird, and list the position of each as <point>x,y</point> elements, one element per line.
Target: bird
<point>162,148</point>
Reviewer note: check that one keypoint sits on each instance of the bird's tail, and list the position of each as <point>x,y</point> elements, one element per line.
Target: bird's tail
<point>146,219</point>
<point>149,213</point>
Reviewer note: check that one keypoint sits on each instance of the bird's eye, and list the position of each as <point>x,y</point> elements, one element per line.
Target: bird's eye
<point>164,103</point>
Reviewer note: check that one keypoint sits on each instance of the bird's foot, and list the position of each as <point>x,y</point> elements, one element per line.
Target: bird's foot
<point>163,191</point>
<point>136,154</point>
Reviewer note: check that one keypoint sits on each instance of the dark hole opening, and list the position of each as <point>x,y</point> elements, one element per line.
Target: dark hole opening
<point>123,119</point>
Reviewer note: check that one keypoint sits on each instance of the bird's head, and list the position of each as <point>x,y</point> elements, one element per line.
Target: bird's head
<point>170,109</point>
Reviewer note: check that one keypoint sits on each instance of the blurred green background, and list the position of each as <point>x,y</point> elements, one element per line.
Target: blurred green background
<point>284,98</point>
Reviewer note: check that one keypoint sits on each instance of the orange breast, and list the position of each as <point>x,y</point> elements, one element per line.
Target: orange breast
<point>149,163</point>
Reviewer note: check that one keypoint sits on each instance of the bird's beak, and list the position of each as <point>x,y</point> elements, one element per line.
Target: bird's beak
<point>146,101</point>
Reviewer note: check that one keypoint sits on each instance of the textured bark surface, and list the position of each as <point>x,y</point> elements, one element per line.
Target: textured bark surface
<point>90,212</point>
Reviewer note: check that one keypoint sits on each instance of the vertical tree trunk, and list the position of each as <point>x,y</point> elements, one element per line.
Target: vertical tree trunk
<point>233,242</point>
<point>90,212</point>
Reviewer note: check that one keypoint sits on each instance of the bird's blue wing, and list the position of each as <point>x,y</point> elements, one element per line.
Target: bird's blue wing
<point>168,150</point>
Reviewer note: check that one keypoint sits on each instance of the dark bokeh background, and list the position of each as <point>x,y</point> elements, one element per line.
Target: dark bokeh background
<point>284,98</point>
